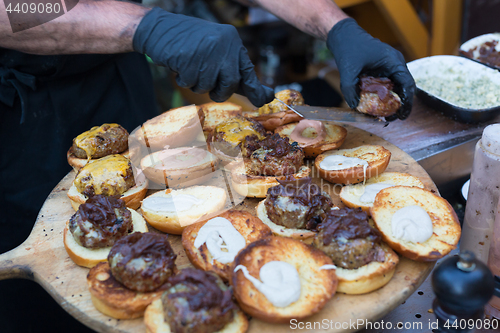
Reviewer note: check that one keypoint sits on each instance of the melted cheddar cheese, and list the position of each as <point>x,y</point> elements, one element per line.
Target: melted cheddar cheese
<point>86,142</point>
<point>236,129</point>
<point>109,175</point>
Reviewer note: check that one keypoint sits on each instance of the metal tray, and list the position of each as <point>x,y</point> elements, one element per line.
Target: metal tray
<point>478,41</point>
<point>440,66</point>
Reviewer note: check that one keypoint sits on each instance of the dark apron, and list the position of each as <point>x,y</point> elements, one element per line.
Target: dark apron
<point>45,101</point>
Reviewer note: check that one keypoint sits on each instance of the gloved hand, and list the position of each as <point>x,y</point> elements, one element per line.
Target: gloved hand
<point>206,56</point>
<point>356,53</point>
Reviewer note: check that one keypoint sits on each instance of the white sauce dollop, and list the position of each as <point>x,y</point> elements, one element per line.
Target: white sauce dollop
<point>371,192</point>
<point>280,282</point>
<point>328,267</point>
<point>491,139</point>
<point>173,203</point>
<point>215,233</point>
<point>412,224</point>
<point>340,162</point>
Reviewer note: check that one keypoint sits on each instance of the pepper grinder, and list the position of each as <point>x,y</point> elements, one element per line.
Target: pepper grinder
<point>462,285</point>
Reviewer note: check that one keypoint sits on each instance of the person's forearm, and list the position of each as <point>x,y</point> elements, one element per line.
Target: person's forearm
<point>91,27</point>
<point>313,17</point>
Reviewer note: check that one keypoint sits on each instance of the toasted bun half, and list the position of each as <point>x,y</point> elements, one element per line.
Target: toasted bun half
<point>445,224</point>
<point>132,197</point>
<point>86,257</point>
<point>272,121</point>
<point>249,226</point>
<point>115,300</point>
<point>174,221</point>
<point>256,186</point>
<point>351,194</point>
<point>173,128</point>
<point>155,320</point>
<point>377,157</point>
<point>317,286</point>
<point>165,169</point>
<point>369,277</point>
<point>335,137</point>
<point>216,113</point>
<point>279,229</point>
<point>78,163</point>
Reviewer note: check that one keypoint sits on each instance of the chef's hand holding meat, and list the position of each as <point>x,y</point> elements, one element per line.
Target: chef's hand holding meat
<point>207,57</point>
<point>357,53</point>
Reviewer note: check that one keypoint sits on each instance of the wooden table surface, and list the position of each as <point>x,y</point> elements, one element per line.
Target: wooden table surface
<point>42,258</point>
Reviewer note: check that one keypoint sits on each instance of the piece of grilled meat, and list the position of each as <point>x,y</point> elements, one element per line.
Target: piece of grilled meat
<point>229,135</point>
<point>297,203</point>
<point>272,156</point>
<point>100,222</point>
<point>348,239</point>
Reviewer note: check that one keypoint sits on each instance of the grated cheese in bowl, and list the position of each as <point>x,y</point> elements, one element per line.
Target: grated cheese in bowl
<point>480,93</point>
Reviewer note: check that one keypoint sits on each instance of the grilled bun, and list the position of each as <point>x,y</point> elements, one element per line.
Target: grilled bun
<point>279,229</point>
<point>174,221</point>
<point>115,300</point>
<point>369,277</point>
<point>88,257</point>
<point>317,286</point>
<point>335,137</point>
<point>351,194</point>
<point>154,320</point>
<point>256,186</point>
<point>161,167</point>
<point>173,128</point>
<point>275,113</point>
<point>249,226</point>
<point>376,156</point>
<point>445,224</point>
<point>132,197</point>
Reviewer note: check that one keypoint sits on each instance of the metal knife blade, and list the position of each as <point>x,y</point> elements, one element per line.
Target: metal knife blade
<point>333,114</point>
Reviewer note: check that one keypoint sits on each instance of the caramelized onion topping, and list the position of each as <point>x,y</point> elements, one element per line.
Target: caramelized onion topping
<point>100,211</point>
<point>349,224</point>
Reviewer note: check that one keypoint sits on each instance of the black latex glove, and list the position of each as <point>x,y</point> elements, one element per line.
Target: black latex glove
<point>206,56</point>
<point>356,53</point>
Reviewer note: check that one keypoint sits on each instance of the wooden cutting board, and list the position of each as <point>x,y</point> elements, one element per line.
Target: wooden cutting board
<point>42,258</point>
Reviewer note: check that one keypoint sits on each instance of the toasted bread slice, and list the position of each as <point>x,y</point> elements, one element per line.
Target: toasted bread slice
<point>174,221</point>
<point>279,229</point>
<point>132,197</point>
<point>335,137</point>
<point>256,186</point>
<point>166,172</point>
<point>377,157</point>
<point>445,224</point>
<point>154,320</point>
<point>250,227</point>
<point>369,277</point>
<point>351,194</point>
<point>86,257</point>
<point>317,286</point>
<point>216,113</point>
<point>115,300</point>
<point>78,163</point>
<point>173,128</point>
